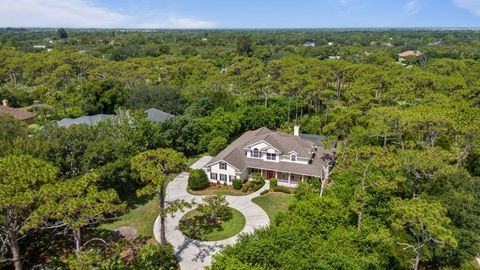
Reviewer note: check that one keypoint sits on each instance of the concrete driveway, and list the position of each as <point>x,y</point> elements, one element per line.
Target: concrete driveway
<point>195,254</point>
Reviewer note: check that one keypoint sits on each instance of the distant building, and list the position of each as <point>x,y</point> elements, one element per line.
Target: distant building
<point>335,57</point>
<point>331,43</point>
<point>39,46</point>
<point>153,115</point>
<point>388,44</point>
<point>309,43</point>
<point>18,114</point>
<point>409,54</point>
<point>91,120</point>
<point>204,39</point>
<point>158,116</point>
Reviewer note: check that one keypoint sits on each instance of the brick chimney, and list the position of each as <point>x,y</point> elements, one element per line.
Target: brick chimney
<point>5,103</point>
<point>296,130</point>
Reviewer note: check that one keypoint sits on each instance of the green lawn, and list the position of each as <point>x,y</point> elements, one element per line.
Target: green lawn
<point>274,203</point>
<point>193,226</point>
<point>141,216</point>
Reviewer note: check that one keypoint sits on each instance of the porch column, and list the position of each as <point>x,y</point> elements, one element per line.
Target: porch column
<point>276,175</point>
<point>289,176</point>
<point>302,177</point>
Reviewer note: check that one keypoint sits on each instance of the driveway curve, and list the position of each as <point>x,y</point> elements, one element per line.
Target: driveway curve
<point>195,254</point>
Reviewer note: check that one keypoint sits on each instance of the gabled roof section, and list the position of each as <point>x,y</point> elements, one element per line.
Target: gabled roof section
<point>18,114</point>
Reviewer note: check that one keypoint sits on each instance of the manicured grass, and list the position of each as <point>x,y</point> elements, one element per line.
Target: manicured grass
<point>274,203</point>
<point>140,216</point>
<point>193,225</point>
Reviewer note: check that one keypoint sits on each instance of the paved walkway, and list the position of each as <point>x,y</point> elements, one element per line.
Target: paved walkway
<point>195,254</point>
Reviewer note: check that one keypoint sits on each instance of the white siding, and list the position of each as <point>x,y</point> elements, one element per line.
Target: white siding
<point>230,171</point>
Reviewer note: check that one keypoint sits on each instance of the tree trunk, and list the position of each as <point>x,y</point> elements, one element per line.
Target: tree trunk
<point>288,116</point>
<point>322,186</point>
<point>163,239</point>
<point>359,219</point>
<point>417,258</point>
<point>77,236</point>
<point>15,249</point>
<point>414,189</point>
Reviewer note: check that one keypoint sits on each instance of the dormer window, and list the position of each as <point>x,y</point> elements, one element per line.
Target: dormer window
<point>271,156</point>
<point>223,165</point>
<point>293,157</point>
<point>256,153</point>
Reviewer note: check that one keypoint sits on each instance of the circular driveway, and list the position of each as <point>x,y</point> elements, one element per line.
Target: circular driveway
<point>195,254</point>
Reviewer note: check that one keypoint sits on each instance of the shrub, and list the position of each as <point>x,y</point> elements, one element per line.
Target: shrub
<point>197,179</point>
<point>216,145</point>
<point>237,184</point>
<point>273,182</point>
<point>251,185</point>
<point>282,189</point>
<point>154,256</point>
<point>245,189</point>
<point>264,192</point>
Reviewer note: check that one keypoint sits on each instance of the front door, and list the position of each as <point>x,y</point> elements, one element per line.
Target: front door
<point>270,174</point>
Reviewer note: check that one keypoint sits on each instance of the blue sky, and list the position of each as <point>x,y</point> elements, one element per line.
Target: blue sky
<point>239,13</point>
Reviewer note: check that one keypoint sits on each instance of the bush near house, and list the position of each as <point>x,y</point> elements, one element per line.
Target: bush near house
<point>237,184</point>
<point>197,179</point>
<point>264,192</point>
<point>282,189</point>
<point>273,182</point>
<point>245,189</point>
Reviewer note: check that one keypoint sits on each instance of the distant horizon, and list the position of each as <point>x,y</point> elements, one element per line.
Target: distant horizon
<point>245,14</point>
<point>253,28</point>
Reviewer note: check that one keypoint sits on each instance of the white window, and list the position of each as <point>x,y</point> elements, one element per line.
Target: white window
<point>213,176</point>
<point>293,157</point>
<point>271,156</point>
<point>231,177</point>
<point>223,165</point>
<point>255,153</point>
<point>223,177</point>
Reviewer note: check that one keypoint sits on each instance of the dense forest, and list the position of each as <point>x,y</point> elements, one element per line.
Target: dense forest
<point>404,191</point>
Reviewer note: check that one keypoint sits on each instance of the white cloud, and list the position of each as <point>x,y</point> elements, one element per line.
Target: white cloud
<point>471,5</point>
<point>178,22</point>
<point>55,13</point>
<point>412,7</point>
<point>82,14</point>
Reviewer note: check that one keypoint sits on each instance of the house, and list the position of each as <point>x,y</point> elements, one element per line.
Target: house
<point>18,114</point>
<point>39,46</point>
<point>331,43</point>
<point>334,57</point>
<point>409,54</point>
<point>153,115</point>
<point>289,158</point>
<point>309,43</point>
<point>91,120</point>
<point>158,116</point>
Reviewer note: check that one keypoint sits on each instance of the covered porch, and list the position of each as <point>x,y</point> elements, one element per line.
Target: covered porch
<point>283,178</point>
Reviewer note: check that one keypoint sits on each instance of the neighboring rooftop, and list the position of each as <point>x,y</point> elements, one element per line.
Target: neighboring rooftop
<point>18,114</point>
<point>153,115</point>
<point>157,116</point>
<point>91,120</point>
<point>410,53</point>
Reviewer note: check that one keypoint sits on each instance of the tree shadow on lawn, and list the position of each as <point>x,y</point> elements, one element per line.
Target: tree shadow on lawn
<point>197,227</point>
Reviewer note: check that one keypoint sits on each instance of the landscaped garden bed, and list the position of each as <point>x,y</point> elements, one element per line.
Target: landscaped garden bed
<point>221,189</point>
<point>193,225</point>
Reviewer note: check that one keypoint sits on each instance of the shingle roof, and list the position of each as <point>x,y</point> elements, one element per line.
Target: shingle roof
<point>86,120</point>
<point>16,113</point>
<point>157,116</point>
<point>235,154</point>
